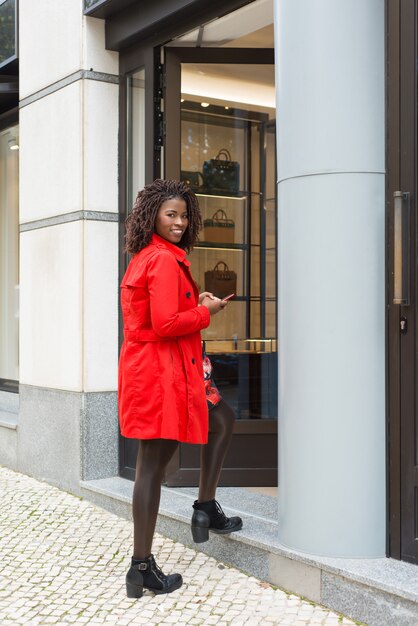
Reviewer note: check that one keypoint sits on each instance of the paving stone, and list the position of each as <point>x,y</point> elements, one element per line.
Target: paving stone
<point>78,556</point>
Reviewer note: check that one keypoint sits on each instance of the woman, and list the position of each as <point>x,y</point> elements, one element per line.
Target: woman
<point>162,398</point>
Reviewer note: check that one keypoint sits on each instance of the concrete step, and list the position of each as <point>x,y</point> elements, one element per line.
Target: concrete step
<point>378,592</point>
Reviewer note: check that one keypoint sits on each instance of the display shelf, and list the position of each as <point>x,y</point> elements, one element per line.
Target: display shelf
<point>235,226</point>
<point>223,246</point>
<point>237,231</point>
<point>241,195</point>
<point>240,346</point>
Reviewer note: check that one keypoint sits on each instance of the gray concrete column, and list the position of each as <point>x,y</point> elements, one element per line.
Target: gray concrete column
<point>331,295</point>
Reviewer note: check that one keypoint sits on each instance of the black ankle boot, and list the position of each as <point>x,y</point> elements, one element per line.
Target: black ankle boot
<point>209,516</point>
<point>146,573</point>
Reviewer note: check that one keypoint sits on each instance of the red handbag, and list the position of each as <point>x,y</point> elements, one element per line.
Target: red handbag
<point>213,397</point>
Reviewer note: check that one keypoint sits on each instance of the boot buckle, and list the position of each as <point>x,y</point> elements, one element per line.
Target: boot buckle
<point>142,567</point>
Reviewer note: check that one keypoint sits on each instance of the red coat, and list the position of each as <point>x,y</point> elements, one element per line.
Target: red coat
<point>161,387</point>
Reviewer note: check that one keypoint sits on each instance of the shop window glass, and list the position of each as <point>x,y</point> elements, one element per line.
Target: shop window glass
<point>89,3</point>
<point>136,135</point>
<point>7,30</point>
<point>9,253</point>
<point>228,158</point>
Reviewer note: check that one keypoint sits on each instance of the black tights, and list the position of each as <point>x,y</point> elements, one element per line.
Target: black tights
<point>153,458</point>
<point>212,455</point>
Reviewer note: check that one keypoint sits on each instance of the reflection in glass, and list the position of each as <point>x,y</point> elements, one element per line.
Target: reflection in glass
<point>7,30</point>
<point>9,253</point>
<point>90,3</point>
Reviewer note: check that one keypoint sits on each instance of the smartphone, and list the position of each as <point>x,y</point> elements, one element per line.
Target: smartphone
<point>228,297</point>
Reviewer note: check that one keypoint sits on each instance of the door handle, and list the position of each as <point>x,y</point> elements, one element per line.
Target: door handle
<point>401,248</point>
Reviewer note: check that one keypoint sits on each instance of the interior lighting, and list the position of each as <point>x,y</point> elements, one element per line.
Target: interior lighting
<point>13,145</point>
<point>204,104</point>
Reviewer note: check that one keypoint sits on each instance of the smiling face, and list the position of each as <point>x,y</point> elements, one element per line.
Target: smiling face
<point>171,221</point>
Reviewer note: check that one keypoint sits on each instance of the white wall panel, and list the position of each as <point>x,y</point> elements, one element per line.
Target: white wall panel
<point>95,55</point>
<point>56,40</point>
<point>101,123</point>
<point>50,42</point>
<point>100,311</point>
<point>51,155</point>
<point>51,261</point>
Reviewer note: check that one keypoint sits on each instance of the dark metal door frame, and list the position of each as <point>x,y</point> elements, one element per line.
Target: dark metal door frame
<point>131,61</point>
<point>401,366</point>
<point>162,128</point>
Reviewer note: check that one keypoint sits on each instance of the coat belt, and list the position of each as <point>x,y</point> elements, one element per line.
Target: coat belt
<point>144,335</point>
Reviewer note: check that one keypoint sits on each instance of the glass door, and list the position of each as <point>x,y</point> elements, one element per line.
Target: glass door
<point>403,279</point>
<point>220,139</point>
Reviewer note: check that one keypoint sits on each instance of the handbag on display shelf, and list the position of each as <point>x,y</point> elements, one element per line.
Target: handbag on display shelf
<point>219,228</point>
<point>221,282</point>
<point>221,174</point>
<point>194,180</point>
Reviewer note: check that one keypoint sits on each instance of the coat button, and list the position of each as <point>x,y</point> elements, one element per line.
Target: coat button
<point>188,294</point>
<point>193,361</point>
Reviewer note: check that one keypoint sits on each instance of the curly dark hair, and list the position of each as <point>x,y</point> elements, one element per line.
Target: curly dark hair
<point>140,222</point>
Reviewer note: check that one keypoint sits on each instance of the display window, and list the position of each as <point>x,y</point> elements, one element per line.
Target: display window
<point>225,152</point>
<point>9,258</point>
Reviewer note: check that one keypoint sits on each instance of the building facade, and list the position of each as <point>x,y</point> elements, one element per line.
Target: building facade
<point>310,107</point>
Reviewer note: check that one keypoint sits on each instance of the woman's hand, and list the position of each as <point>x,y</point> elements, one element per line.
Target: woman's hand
<point>214,304</point>
<point>205,294</point>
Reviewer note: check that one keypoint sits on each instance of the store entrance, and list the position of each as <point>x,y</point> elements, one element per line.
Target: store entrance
<point>201,107</point>
<point>219,108</point>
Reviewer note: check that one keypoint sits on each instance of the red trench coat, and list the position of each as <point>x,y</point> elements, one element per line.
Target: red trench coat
<point>161,390</point>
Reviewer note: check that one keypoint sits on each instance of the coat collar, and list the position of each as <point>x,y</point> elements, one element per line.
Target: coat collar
<point>179,253</point>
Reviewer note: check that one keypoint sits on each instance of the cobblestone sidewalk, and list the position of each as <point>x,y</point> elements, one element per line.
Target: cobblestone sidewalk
<point>63,561</point>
